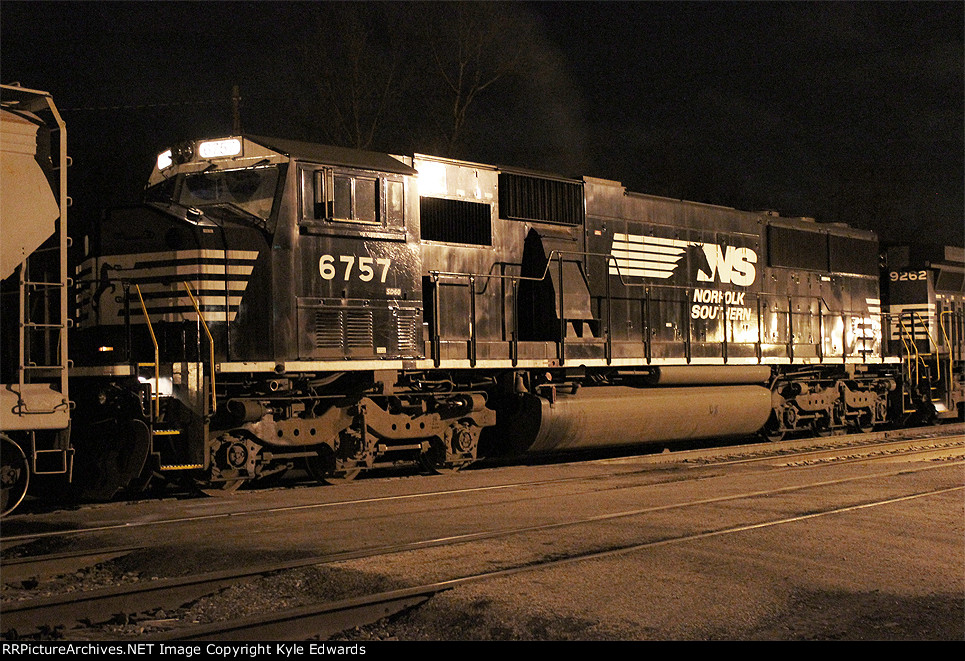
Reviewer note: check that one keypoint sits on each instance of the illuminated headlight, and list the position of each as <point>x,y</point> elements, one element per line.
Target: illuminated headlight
<point>220,148</point>
<point>164,160</point>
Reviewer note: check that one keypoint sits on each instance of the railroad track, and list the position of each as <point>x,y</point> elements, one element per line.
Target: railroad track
<point>327,619</point>
<point>814,448</point>
<point>146,596</point>
<point>53,564</point>
<point>893,438</point>
<point>934,448</point>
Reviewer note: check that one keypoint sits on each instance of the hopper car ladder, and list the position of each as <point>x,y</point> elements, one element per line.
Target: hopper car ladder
<point>41,355</point>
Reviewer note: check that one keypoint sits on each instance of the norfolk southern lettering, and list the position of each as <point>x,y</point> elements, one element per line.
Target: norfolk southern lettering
<point>712,303</point>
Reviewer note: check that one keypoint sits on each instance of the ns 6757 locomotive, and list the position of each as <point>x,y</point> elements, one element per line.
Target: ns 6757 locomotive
<point>275,303</point>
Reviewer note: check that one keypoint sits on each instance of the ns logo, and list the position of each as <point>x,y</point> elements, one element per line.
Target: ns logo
<point>655,257</point>
<point>728,265</point>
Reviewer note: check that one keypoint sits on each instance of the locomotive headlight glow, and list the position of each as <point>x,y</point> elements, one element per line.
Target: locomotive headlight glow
<point>220,148</point>
<point>164,160</point>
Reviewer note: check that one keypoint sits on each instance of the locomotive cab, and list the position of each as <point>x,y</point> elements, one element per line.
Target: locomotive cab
<point>925,286</point>
<point>253,269</point>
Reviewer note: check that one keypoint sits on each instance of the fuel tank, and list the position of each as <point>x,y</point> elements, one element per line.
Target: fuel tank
<point>615,416</point>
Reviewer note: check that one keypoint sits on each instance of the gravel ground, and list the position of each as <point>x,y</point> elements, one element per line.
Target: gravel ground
<point>890,574</point>
<point>538,607</point>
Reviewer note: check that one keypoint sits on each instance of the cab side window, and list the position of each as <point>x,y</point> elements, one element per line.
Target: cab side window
<point>354,197</point>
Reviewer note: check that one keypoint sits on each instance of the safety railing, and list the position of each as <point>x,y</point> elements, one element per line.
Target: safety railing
<point>207,332</point>
<point>155,400</point>
<point>651,295</point>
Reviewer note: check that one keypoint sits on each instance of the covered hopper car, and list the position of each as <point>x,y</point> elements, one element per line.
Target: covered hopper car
<point>34,394</point>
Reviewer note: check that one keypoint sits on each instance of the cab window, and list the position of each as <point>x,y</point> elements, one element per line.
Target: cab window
<point>330,196</point>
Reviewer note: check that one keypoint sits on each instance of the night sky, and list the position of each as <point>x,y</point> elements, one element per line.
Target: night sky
<point>845,112</point>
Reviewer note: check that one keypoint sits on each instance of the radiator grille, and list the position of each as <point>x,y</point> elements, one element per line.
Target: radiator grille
<point>536,198</point>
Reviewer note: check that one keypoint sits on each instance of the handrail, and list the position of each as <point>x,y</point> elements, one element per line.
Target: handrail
<point>938,363</point>
<point>914,346</point>
<point>197,309</point>
<point>901,324</point>
<point>612,262</point>
<point>948,343</point>
<point>157,358</point>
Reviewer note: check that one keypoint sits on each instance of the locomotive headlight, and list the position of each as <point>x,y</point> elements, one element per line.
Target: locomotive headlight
<point>165,160</point>
<point>220,148</point>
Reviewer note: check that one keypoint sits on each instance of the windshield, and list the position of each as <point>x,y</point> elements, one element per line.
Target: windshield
<point>251,191</point>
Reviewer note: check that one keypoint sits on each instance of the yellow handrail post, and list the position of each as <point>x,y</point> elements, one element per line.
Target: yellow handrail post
<point>207,332</point>
<point>938,364</point>
<point>157,360</point>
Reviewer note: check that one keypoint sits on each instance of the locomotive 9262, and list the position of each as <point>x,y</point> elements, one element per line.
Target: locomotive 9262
<point>275,303</point>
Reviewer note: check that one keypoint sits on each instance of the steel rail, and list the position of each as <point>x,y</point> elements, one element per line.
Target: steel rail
<point>666,457</point>
<point>845,453</point>
<point>171,593</point>
<point>53,564</point>
<point>324,620</point>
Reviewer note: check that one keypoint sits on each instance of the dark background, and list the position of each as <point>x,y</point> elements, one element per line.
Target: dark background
<point>845,112</point>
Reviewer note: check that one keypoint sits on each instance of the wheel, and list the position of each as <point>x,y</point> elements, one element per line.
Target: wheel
<point>773,430</point>
<point>431,466</point>
<point>821,426</point>
<point>863,424</point>
<point>109,455</point>
<point>453,452</point>
<point>233,458</point>
<point>321,464</point>
<point>773,435</point>
<point>323,468</point>
<point>14,475</point>
<point>434,461</point>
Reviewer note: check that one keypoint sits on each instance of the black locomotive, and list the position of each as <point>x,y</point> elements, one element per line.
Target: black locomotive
<point>275,303</point>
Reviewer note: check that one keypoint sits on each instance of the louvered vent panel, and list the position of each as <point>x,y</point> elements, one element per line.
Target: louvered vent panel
<point>328,329</point>
<point>455,221</point>
<point>408,332</point>
<point>358,329</point>
<point>524,197</point>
